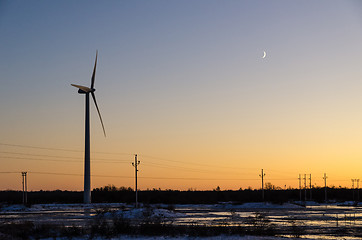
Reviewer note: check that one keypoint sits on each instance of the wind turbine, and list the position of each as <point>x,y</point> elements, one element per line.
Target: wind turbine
<point>87,91</point>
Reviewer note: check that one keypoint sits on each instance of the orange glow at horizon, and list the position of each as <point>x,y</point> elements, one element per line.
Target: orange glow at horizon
<point>53,169</point>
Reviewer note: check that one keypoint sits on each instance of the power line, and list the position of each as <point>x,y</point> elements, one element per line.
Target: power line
<point>54,160</point>
<point>103,160</point>
<point>54,156</point>
<point>94,159</point>
<point>283,172</point>
<point>207,165</point>
<point>37,155</point>
<point>43,148</point>
<point>198,179</point>
<point>146,164</point>
<point>199,164</point>
<point>38,159</point>
<point>154,178</point>
<point>186,169</point>
<point>176,178</point>
<point>54,173</point>
<point>115,161</point>
<point>117,176</point>
<point>78,175</point>
<point>58,149</point>
<point>144,157</point>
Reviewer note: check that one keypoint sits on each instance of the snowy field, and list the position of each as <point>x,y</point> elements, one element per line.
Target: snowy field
<point>221,237</point>
<point>314,221</point>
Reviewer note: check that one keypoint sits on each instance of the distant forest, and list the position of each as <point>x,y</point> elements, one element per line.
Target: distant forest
<point>112,194</point>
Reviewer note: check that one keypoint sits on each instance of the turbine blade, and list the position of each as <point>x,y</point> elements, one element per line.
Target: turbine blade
<point>85,89</point>
<point>99,113</point>
<point>94,71</point>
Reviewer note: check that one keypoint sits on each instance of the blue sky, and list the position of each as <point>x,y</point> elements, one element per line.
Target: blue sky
<point>185,80</point>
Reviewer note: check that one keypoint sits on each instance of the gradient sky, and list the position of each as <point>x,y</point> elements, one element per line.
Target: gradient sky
<point>183,84</point>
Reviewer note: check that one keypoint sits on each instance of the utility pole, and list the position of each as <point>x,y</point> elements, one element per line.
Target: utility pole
<point>310,186</point>
<point>262,182</point>
<point>135,165</point>
<point>25,187</point>
<point>305,187</point>
<point>353,188</point>
<point>325,187</point>
<point>300,188</point>
<point>357,190</point>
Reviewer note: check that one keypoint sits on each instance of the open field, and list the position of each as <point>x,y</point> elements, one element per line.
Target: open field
<point>115,220</point>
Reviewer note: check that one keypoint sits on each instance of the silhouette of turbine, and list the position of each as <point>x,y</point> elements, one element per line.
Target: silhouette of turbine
<point>86,91</point>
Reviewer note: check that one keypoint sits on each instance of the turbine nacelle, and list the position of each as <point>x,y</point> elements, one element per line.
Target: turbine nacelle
<point>80,91</point>
<point>83,89</point>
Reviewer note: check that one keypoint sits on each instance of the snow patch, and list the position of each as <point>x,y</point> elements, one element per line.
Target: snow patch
<point>137,213</point>
<point>13,208</point>
<point>258,205</point>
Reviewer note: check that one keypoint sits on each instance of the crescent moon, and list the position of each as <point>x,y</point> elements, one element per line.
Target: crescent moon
<point>264,54</point>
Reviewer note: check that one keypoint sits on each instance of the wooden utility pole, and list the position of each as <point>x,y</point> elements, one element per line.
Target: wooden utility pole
<point>305,187</point>
<point>353,188</point>
<point>25,187</point>
<point>262,183</point>
<point>135,165</point>
<point>300,188</point>
<point>325,187</point>
<point>310,186</point>
<point>357,190</point>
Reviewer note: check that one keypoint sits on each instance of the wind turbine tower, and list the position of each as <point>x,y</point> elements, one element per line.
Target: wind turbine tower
<point>86,91</point>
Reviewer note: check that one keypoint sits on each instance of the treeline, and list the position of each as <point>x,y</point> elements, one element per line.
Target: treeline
<point>112,194</point>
